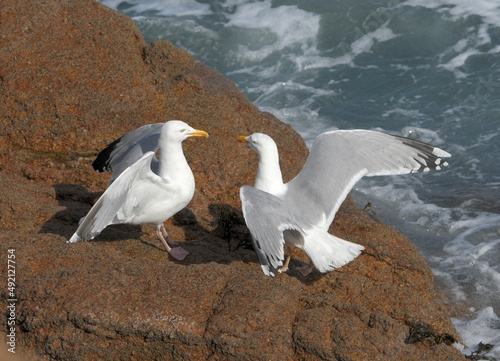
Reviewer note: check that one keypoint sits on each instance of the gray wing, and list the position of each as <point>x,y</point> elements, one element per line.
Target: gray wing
<point>267,217</point>
<point>125,151</point>
<point>105,210</point>
<point>339,159</point>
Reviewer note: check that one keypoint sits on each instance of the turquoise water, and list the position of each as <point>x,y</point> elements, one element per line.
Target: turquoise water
<point>424,69</point>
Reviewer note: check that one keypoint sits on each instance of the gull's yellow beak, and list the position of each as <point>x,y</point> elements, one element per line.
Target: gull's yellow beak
<point>242,139</point>
<point>199,133</point>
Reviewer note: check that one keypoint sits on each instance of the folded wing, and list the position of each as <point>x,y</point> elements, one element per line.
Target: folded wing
<point>110,205</point>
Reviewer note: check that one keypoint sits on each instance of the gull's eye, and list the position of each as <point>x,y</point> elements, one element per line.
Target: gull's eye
<point>183,130</point>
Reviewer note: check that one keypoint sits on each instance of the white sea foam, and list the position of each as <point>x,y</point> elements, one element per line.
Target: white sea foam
<point>295,28</point>
<point>465,49</point>
<point>161,7</point>
<point>399,204</point>
<point>289,87</point>
<point>457,55</point>
<point>484,328</point>
<point>368,40</point>
<point>470,271</point>
<point>408,113</point>
<point>306,122</point>
<point>490,10</point>
<point>292,102</point>
<point>175,26</point>
<point>363,44</point>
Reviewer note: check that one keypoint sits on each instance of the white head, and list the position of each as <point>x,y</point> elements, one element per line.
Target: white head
<point>261,143</point>
<point>178,130</point>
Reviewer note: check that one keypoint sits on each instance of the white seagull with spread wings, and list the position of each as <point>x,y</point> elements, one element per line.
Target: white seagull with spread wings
<point>144,189</point>
<point>300,212</point>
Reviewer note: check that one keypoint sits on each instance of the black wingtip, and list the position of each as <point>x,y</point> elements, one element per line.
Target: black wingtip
<point>428,159</point>
<point>102,162</point>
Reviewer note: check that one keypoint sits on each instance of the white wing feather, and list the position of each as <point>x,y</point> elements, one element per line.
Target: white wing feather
<point>267,217</point>
<point>110,207</point>
<point>339,159</point>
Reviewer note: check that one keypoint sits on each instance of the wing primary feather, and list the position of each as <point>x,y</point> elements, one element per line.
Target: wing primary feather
<point>431,154</point>
<point>102,162</point>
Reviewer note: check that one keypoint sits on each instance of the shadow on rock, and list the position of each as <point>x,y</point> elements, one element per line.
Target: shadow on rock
<point>225,240</point>
<point>228,242</point>
<point>230,226</point>
<point>76,201</point>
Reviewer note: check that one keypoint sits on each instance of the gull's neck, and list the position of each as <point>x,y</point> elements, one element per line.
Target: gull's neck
<point>173,166</point>
<point>269,178</point>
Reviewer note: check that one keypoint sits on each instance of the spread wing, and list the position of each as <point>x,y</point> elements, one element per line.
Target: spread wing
<point>339,159</point>
<point>108,207</point>
<point>125,151</point>
<point>267,217</point>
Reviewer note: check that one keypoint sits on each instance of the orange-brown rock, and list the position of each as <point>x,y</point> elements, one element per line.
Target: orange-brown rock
<point>75,75</point>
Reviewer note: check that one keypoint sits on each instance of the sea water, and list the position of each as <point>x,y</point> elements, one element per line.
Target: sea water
<point>429,70</point>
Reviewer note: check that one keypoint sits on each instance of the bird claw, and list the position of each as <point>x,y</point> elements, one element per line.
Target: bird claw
<point>283,269</point>
<point>178,253</point>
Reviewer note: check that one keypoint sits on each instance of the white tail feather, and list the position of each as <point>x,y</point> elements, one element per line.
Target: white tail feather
<point>328,252</point>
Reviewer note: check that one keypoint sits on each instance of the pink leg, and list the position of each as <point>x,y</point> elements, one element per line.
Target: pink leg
<point>169,240</point>
<point>285,266</point>
<point>178,253</point>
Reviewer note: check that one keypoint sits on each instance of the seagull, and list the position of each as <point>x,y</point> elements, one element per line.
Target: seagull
<point>140,194</point>
<point>300,212</point>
